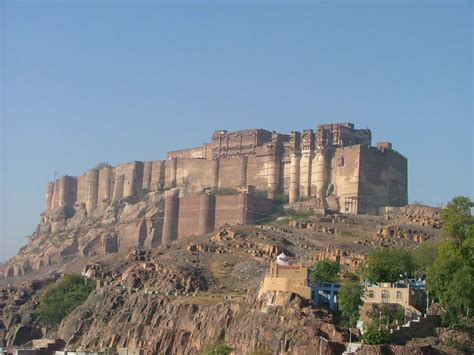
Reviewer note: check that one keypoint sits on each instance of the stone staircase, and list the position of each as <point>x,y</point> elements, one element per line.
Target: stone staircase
<point>422,327</point>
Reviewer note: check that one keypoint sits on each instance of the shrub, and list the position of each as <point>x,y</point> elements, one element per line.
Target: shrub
<point>217,348</point>
<point>458,346</point>
<point>61,298</point>
<point>374,336</point>
<point>290,212</point>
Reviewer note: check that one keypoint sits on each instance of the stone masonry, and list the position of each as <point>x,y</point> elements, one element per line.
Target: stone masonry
<point>336,162</point>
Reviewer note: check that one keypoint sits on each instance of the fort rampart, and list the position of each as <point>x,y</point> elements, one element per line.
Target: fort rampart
<point>336,162</point>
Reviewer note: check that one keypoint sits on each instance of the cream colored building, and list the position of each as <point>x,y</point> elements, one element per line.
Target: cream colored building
<point>404,295</point>
<point>287,278</point>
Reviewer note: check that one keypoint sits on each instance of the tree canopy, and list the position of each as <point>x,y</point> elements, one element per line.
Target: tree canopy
<point>349,301</point>
<point>61,298</point>
<point>423,257</point>
<point>325,270</point>
<point>451,277</point>
<point>457,220</point>
<point>386,265</point>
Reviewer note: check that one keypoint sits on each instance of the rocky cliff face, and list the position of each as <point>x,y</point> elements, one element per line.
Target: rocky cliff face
<point>69,232</point>
<point>112,317</point>
<point>18,324</point>
<point>177,299</point>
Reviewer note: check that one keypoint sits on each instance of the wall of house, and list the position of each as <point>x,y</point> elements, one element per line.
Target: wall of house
<point>406,296</point>
<point>292,278</point>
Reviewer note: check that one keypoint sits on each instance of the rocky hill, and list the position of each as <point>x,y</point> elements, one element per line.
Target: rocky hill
<point>70,232</point>
<point>176,298</point>
<point>65,233</point>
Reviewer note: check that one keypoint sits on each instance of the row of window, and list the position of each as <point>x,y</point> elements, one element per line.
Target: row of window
<point>385,295</point>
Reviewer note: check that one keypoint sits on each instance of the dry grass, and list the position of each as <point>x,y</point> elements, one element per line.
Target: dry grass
<point>220,269</point>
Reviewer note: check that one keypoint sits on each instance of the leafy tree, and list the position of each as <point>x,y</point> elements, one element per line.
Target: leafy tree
<point>325,270</point>
<point>61,298</point>
<point>374,336</point>
<point>217,348</point>
<point>386,265</point>
<point>451,277</point>
<point>457,219</point>
<point>424,257</point>
<point>349,301</point>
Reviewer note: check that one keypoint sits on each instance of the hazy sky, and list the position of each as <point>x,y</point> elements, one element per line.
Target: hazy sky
<point>95,81</point>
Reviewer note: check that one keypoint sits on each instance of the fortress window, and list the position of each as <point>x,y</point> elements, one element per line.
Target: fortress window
<point>371,294</point>
<point>399,295</point>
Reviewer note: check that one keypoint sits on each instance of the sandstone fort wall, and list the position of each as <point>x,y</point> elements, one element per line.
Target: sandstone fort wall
<point>336,164</point>
<point>382,179</point>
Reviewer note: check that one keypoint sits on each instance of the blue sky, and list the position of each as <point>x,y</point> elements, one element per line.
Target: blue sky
<point>86,82</point>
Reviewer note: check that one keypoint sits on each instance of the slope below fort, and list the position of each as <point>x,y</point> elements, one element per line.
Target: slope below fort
<point>177,298</point>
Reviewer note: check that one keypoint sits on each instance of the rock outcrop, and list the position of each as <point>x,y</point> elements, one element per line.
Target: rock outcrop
<point>18,324</point>
<point>69,232</point>
<point>279,322</point>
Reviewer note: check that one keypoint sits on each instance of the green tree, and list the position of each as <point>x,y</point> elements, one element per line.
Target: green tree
<point>457,219</point>
<point>217,348</point>
<point>424,257</point>
<point>450,279</point>
<point>61,298</point>
<point>349,301</point>
<point>325,270</point>
<point>386,265</point>
<point>375,336</point>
